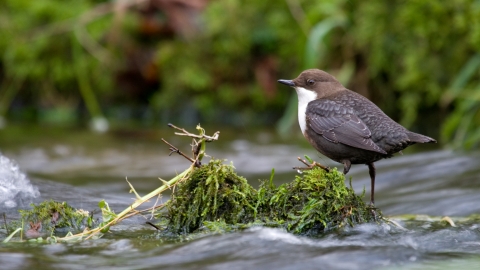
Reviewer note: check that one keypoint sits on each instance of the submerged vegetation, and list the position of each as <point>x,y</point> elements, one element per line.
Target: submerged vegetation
<point>51,218</point>
<point>212,197</point>
<point>57,215</point>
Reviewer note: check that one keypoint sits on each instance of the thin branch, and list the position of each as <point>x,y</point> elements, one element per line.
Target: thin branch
<point>155,205</point>
<point>153,225</point>
<point>188,134</point>
<point>173,149</point>
<point>196,147</point>
<point>310,165</point>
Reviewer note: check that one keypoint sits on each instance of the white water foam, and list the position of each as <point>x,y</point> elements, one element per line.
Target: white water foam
<point>14,185</point>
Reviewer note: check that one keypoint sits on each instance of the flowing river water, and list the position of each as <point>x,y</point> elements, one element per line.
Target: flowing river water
<point>416,189</point>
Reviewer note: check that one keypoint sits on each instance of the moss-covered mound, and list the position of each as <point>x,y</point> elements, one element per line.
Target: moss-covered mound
<point>314,202</point>
<point>214,192</point>
<point>50,216</point>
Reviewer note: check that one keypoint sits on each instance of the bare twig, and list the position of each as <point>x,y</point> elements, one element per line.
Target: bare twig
<point>152,208</point>
<point>310,165</point>
<point>155,205</point>
<point>173,149</point>
<point>188,134</point>
<point>196,148</point>
<point>153,225</point>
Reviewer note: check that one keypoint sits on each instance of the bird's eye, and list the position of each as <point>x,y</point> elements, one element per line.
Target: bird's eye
<point>310,82</point>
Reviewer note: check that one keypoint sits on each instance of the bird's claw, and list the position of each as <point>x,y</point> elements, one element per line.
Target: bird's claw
<point>372,209</point>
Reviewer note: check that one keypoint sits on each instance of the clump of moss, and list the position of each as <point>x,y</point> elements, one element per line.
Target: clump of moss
<point>54,216</point>
<point>314,202</point>
<point>214,192</point>
<point>214,198</point>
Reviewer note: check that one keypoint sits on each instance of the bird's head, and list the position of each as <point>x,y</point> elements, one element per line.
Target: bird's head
<point>314,84</point>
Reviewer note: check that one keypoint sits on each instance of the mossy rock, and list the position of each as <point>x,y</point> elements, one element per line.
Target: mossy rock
<point>214,192</point>
<point>315,202</point>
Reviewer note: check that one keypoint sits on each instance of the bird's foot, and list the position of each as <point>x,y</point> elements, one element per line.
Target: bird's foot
<point>310,165</point>
<point>373,210</point>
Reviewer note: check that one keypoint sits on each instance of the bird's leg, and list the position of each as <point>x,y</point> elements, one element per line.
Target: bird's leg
<point>310,165</point>
<point>371,171</point>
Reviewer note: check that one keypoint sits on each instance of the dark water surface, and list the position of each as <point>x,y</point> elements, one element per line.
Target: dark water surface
<point>82,168</point>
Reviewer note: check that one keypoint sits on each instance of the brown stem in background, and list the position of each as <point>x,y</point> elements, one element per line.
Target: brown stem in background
<point>299,15</point>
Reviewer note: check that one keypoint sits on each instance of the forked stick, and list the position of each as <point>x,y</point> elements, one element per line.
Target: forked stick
<point>310,165</point>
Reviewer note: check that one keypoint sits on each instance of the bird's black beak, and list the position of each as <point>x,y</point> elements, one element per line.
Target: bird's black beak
<point>287,82</point>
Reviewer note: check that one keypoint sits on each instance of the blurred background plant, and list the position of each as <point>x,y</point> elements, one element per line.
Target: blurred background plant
<point>149,62</point>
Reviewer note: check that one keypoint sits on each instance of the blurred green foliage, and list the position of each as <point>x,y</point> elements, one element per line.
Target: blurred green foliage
<point>216,70</point>
<point>42,59</point>
<point>427,53</point>
<point>418,60</point>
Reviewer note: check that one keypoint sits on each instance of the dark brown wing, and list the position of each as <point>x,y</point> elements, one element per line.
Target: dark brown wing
<point>339,124</point>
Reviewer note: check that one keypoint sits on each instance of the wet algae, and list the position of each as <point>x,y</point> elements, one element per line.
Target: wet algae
<point>52,217</point>
<point>214,198</point>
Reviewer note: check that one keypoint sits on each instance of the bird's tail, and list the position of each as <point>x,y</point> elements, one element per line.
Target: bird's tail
<point>419,138</point>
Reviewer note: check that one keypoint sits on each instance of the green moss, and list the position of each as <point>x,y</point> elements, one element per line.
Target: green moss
<point>314,202</point>
<point>216,199</point>
<point>214,192</point>
<point>54,216</point>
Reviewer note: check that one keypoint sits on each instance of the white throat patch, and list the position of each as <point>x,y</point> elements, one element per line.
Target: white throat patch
<point>304,97</point>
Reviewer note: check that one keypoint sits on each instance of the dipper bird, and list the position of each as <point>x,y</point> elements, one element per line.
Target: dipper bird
<point>345,126</point>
